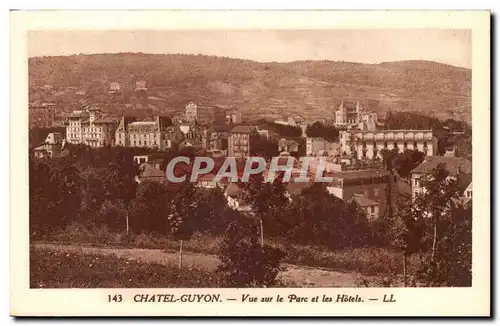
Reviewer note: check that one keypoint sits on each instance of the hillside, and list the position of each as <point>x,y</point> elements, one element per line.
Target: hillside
<point>271,90</point>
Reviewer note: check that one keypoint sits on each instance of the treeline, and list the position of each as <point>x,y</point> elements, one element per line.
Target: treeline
<point>97,187</point>
<point>327,132</point>
<point>280,129</point>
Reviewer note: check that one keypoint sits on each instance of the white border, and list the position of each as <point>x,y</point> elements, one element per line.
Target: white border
<point>439,302</point>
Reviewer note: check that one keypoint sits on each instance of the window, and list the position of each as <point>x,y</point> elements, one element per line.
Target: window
<point>134,143</point>
<point>415,182</point>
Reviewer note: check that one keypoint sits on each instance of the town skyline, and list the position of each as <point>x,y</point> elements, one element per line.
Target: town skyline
<point>451,47</point>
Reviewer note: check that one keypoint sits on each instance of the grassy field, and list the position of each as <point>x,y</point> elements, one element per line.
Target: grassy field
<point>369,261</point>
<point>54,269</point>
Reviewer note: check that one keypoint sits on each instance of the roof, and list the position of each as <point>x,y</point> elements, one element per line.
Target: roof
<point>54,138</point>
<point>455,165</point>
<point>190,142</point>
<point>149,172</point>
<point>142,126</point>
<point>222,128</point>
<point>464,180</point>
<point>78,114</point>
<point>39,148</point>
<point>462,201</point>
<point>357,174</point>
<point>106,120</point>
<point>241,129</point>
<point>362,200</point>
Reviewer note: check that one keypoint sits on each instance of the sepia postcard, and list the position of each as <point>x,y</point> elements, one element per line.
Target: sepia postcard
<point>250,163</point>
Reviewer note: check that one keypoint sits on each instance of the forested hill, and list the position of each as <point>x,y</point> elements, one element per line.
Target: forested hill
<point>310,88</point>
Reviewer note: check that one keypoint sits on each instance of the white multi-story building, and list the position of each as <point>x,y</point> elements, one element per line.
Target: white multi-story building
<point>87,126</point>
<point>368,144</point>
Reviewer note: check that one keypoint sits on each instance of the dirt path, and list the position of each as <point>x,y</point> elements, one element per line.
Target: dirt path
<point>301,276</point>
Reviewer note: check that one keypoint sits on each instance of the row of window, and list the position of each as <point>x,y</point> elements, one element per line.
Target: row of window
<point>395,144</point>
<point>239,136</point>
<point>90,129</point>
<point>236,142</point>
<point>143,136</point>
<point>139,143</point>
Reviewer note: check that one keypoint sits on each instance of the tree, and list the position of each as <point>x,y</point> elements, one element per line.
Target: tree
<point>318,129</point>
<point>405,162</point>
<point>265,198</point>
<point>261,146</point>
<point>40,200</point>
<point>438,226</point>
<point>405,231</point>
<point>212,205</point>
<point>120,183</point>
<point>66,193</point>
<point>388,157</point>
<point>435,205</point>
<point>182,220</point>
<point>150,208</point>
<point>243,261</point>
<point>453,259</point>
<point>318,217</point>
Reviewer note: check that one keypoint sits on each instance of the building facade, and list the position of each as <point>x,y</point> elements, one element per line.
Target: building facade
<point>114,87</point>
<point>239,142</point>
<point>459,168</point>
<point>369,183</point>
<point>51,147</point>
<point>204,114</point>
<point>368,144</point>
<point>370,207</point>
<point>87,126</point>
<point>217,138</point>
<point>319,146</point>
<point>152,134</point>
<point>348,113</point>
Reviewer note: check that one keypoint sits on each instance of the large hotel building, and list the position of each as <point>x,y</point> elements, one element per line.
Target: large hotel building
<point>368,144</point>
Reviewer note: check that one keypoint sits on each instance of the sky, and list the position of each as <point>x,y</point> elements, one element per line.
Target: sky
<point>452,47</point>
